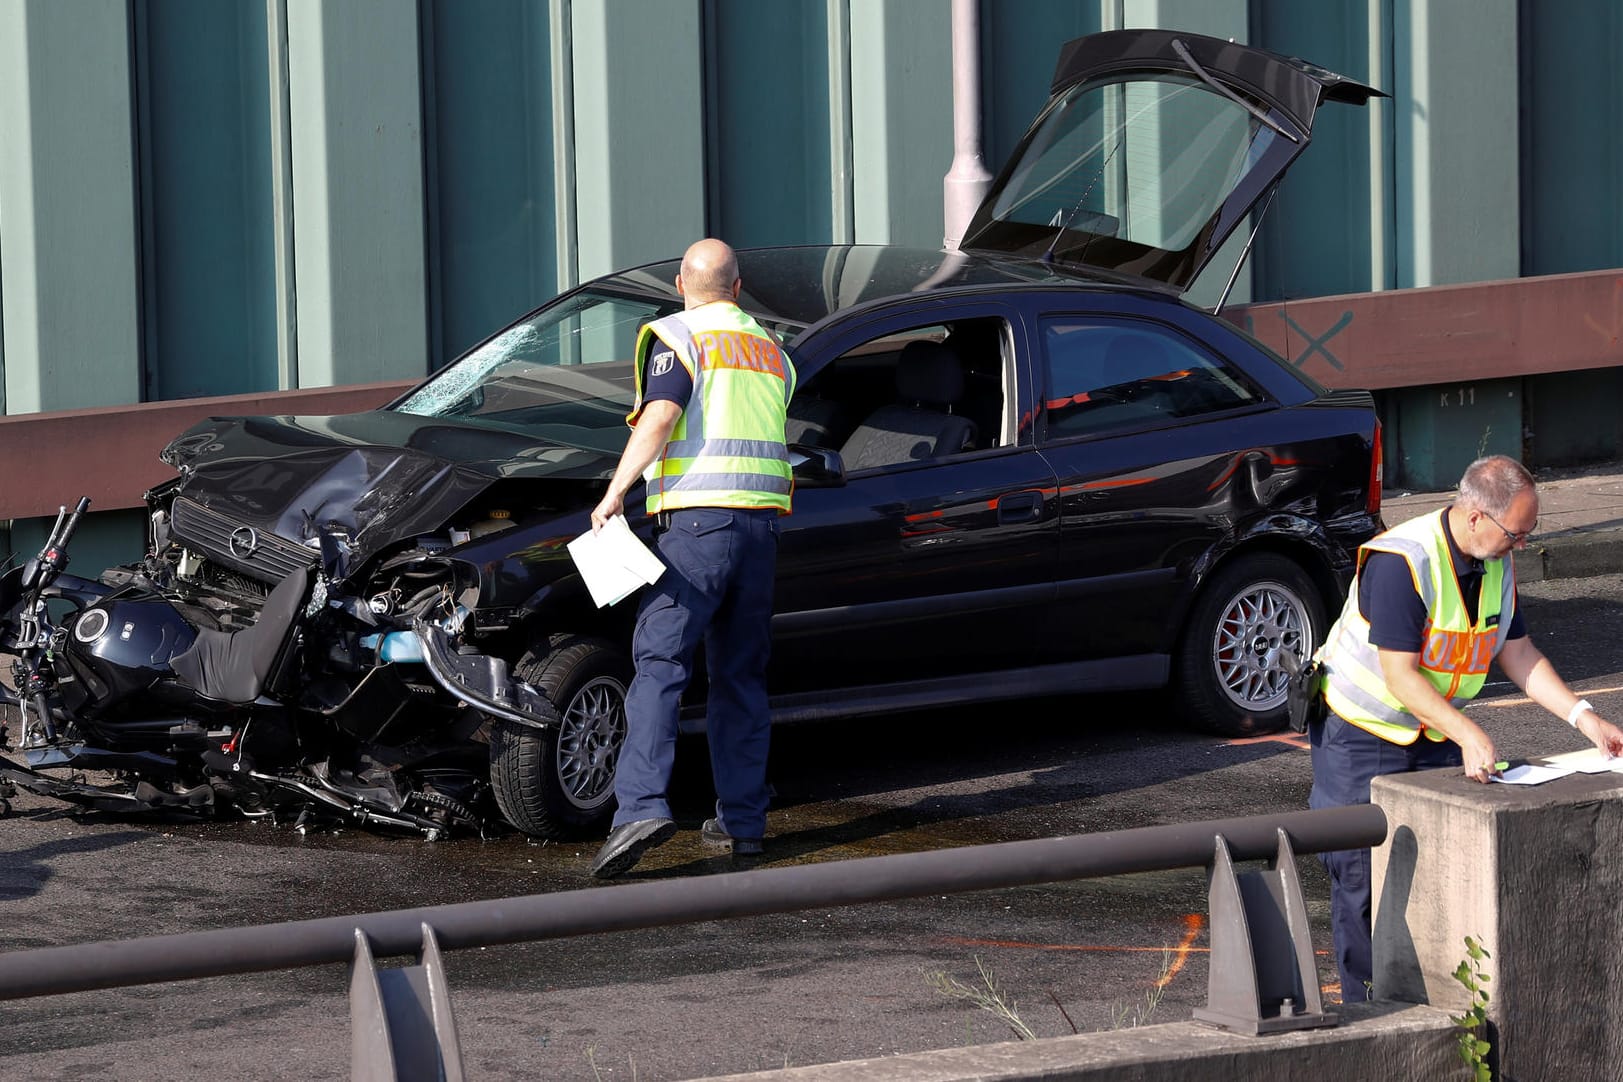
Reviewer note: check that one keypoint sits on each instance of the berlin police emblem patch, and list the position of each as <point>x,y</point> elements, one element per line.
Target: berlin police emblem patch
<point>663,363</point>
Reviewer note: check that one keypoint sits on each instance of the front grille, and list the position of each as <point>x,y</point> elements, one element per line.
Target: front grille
<point>209,533</point>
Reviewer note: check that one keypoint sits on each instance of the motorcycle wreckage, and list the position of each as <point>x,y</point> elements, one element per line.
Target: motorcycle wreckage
<point>314,709</point>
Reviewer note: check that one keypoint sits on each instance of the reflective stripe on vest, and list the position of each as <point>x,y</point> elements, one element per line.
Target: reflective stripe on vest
<point>1454,654</point>
<point>727,449</point>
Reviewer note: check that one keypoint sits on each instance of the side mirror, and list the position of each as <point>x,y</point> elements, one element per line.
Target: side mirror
<point>816,467</point>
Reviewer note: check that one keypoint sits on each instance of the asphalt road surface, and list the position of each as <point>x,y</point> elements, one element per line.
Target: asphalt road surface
<point>786,990</point>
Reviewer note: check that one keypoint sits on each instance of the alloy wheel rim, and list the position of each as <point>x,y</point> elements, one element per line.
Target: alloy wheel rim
<point>1257,626</point>
<point>590,734</point>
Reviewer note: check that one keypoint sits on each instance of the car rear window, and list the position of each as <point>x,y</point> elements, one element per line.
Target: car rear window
<point>1106,375</point>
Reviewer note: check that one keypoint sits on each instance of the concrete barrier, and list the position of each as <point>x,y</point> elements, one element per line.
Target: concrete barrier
<point>1535,875</point>
<point>1374,1040</point>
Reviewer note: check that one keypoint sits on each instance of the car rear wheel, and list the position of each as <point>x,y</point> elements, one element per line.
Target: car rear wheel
<point>1229,672</point>
<point>559,782</point>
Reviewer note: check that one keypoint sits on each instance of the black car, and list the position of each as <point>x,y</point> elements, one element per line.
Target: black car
<point>1025,467</point>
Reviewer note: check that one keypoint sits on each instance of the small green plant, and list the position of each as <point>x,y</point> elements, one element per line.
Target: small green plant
<point>988,996</point>
<point>1131,1016</point>
<point>597,1072</point>
<point>1474,1046</point>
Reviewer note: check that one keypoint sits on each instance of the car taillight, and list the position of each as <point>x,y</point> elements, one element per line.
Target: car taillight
<point>1375,464</point>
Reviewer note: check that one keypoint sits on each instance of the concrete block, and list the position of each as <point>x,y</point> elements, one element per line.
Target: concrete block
<point>1533,873</point>
<point>1374,1040</point>
<point>1599,552</point>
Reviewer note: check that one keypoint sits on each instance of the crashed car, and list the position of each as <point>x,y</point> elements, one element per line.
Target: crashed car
<point>1024,467</point>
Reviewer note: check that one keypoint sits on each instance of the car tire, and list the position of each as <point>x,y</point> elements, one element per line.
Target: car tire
<point>559,782</point>
<point>1228,674</point>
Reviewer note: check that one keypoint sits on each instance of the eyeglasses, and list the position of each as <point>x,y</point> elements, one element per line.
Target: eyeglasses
<point>1514,538</point>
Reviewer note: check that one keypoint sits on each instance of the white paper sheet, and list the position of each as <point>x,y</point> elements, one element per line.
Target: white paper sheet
<point>1585,761</point>
<point>613,562</point>
<point>1531,774</point>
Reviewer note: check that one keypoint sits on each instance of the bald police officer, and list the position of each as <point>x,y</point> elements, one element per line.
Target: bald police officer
<point>707,431</point>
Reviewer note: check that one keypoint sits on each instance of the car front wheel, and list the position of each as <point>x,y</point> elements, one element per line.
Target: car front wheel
<point>1229,673</point>
<point>559,782</point>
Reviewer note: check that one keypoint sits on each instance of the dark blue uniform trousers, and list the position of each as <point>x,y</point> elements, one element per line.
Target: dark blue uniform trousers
<point>1345,759</point>
<point>717,588</point>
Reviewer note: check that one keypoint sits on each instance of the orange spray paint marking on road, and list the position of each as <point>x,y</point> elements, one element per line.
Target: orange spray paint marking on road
<point>1192,924</point>
<point>966,941</point>
<point>1295,740</point>
<point>1522,700</point>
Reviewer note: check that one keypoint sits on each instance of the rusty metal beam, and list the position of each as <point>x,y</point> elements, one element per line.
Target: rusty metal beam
<point>1448,334</point>
<point>110,453</point>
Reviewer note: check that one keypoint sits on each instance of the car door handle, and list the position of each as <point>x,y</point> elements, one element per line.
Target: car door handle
<point>1019,507</point>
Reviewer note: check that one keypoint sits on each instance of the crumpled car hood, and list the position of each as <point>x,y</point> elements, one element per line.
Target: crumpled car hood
<point>368,479</point>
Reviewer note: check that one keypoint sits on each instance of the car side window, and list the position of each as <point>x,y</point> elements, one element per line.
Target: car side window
<point>1105,375</point>
<point>918,394</point>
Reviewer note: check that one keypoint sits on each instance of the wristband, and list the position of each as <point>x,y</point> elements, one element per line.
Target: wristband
<point>1577,708</point>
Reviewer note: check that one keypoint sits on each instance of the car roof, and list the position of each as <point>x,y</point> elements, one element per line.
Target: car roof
<point>796,287</point>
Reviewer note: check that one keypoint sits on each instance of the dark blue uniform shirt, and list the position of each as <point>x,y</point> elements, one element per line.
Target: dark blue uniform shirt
<point>1389,601</point>
<point>667,378</point>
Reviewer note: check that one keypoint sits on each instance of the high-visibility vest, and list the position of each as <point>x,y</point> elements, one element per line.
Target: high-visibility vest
<point>1455,653</point>
<point>727,449</point>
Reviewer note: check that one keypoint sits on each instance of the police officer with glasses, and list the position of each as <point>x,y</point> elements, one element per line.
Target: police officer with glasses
<point>1432,605</point>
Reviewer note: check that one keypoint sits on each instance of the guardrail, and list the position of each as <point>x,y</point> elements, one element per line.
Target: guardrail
<point>1263,978</point>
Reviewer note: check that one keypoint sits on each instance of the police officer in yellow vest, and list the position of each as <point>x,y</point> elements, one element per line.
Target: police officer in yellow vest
<point>1433,603</point>
<point>707,436</point>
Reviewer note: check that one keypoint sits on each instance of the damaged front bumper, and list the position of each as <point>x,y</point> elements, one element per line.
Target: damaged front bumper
<point>482,681</point>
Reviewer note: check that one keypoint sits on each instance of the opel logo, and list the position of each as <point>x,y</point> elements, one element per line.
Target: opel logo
<point>244,542</point>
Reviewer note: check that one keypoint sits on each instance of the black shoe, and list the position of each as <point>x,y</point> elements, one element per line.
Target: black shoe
<point>712,834</point>
<point>626,845</point>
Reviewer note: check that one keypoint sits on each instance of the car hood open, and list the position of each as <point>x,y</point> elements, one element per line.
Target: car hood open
<point>1153,146</point>
<point>370,478</point>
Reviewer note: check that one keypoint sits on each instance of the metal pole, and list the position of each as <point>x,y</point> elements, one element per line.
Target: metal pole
<point>283,233</point>
<point>967,181</point>
<point>187,956</point>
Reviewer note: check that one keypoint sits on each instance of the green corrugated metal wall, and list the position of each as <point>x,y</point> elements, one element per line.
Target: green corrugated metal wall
<point>204,196</point>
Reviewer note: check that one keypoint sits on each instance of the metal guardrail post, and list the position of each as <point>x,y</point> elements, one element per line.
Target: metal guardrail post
<point>401,1027</point>
<point>217,952</point>
<point>1262,977</point>
<point>1262,973</point>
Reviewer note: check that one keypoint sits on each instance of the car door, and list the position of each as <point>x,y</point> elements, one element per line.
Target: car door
<point>1146,427</point>
<point>927,568</point>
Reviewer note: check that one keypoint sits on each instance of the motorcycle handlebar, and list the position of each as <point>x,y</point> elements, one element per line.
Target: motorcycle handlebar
<point>56,529</point>
<point>42,706</point>
<point>73,522</point>
<point>38,572</point>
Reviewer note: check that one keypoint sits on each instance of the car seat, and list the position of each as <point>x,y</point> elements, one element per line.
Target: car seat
<point>812,420</point>
<point>930,382</point>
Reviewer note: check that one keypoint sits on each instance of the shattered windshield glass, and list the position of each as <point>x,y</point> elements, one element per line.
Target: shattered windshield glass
<point>565,374</point>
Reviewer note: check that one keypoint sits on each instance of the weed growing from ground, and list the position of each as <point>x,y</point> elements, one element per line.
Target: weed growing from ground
<point>988,996</point>
<point>1474,1046</point>
<point>597,1072</point>
<point>1131,1016</point>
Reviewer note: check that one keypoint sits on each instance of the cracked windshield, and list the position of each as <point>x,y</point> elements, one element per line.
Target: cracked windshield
<point>564,375</point>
